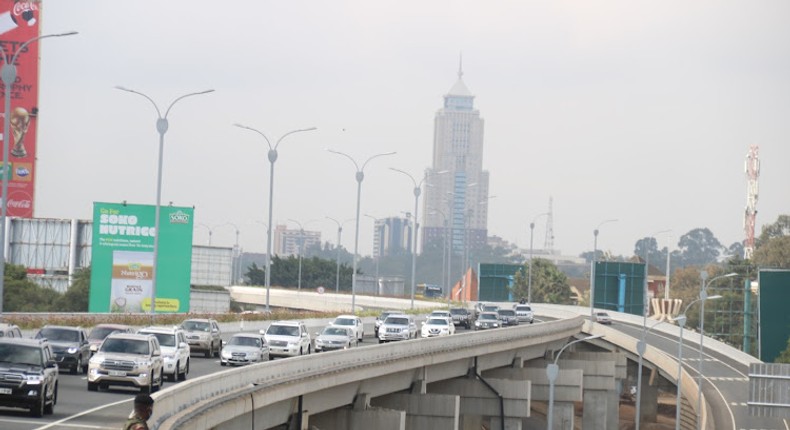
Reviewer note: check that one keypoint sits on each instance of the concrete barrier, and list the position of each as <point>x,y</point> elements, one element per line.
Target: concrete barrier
<point>211,400</point>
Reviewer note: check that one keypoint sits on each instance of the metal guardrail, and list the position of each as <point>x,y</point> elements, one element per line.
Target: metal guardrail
<point>769,390</point>
<point>178,404</point>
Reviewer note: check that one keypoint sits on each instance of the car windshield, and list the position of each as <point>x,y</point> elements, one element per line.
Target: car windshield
<point>334,331</point>
<point>458,312</point>
<point>20,354</point>
<point>397,321</point>
<point>125,346</point>
<point>165,339</point>
<point>282,330</point>
<point>506,313</point>
<point>99,333</point>
<point>488,317</point>
<point>245,341</point>
<point>490,308</point>
<point>59,334</point>
<point>602,314</point>
<point>439,314</point>
<point>523,308</point>
<point>344,321</point>
<point>384,315</point>
<point>437,321</point>
<point>196,326</point>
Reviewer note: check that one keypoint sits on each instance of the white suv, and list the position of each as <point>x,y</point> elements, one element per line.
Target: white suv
<point>287,339</point>
<point>397,327</point>
<point>175,350</point>
<point>354,323</point>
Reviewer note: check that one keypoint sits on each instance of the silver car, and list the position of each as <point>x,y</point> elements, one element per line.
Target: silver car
<point>335,337</point>
<point>244,348</point>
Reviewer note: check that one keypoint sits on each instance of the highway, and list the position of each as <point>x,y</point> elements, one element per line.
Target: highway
<point>726,389</point>
<point>727,381</point>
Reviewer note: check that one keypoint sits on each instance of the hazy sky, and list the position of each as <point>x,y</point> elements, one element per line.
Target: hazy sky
<point>640,111</point>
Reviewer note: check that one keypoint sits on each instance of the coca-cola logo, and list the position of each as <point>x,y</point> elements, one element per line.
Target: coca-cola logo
<point>21,7</point>
<point>19,204</point>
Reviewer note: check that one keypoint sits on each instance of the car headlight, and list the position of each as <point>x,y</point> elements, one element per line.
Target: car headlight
<point>169,355</point>
<point>319,341</point>
<point>477,323</point>
<point>72,350</point>
<point>226,354</point>
<point>34,379</point>
<point>94,348</point>
<point>496,325</point>
<point>96,359</point>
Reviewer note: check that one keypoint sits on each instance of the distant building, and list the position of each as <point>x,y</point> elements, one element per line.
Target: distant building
<point>456,201</point>
<point>287,241</point>
<point>392,236</point>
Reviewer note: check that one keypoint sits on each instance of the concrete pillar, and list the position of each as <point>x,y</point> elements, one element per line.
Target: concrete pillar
<point>348,419</point>
<point>478,399</point>
<point>649,403</point>
<point>510,423</point>
<point>564,415</point>
<point>596,411</point>
<point>424,411</point>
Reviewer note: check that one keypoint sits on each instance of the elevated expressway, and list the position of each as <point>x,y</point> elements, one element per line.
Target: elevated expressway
<point>462,381</point>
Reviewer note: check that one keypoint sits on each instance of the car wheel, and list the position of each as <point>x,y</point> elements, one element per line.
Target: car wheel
<point>300,351</point>
<point>381,341</point>
<point>92,386</point>
<point>148,389</point>
<point>74,370</point>
<point>223,364</point>
<point>309,349</point>
<point>210,350</point>
<point>49,408</point>
<point>174,376</point>
<point>37,409</point>
<point>183,376</point>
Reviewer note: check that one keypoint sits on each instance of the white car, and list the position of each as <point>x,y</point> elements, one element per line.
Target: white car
<point>397,327</point>
<point>335,337</point>
<point>437,326</point>
<point>244,348</point>
<point>524,313</point>
<point>287,339</point>
<point>353,322</point>
<point>175,350</point>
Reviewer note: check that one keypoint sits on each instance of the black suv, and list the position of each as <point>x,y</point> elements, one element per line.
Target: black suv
<point>28,375</point>
<point>70,345</point>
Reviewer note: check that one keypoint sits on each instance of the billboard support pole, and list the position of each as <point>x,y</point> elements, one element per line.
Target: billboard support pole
<point>8,75</point>
<point>161,127</point>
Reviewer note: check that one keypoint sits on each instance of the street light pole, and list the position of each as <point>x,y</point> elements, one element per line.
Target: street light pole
<point>681,320</point>
<point>531,231</point>
<point>641,343</point>
<point>359,176</point>
<point>162,125</point>
<point>417,191</point>
<point>552,371</point>
<point>703,296</point>
<point>592,271</point>
<point>8,75</point>
<point>272,155</point>
<point>337,257</point>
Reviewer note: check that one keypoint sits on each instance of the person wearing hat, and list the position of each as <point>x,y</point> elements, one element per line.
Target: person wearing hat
<point>143,408</point>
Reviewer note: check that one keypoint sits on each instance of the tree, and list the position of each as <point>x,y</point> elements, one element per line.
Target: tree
<point>774,253</point>
<point>549,284</point>
<point>779,228</point>
<point>699,247</point>
<point>76,298</point>
<point>23,295</point>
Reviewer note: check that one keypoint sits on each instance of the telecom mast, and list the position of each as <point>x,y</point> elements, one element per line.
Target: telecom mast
<point>752,168</point>
<point>548,244</point>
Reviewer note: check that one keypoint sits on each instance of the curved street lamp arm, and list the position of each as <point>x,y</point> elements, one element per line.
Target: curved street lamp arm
<point>595,336</point>
<point>356,166</point>
<point>256,131</point>
<point>606,222</point>
<point>185,96</point>
<point>407,174</point>
<point>537,216</point>
<point>292,132</point>
<point>128,90</point>
<point>28,42</point>
<point>375,156</point>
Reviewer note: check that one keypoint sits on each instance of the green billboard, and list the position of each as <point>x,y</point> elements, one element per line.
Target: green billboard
<point>620,286</point>
<point>122,258</point>
<point>774,322</point>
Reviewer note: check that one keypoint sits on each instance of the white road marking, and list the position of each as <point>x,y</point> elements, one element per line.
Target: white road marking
<point>89,411</point>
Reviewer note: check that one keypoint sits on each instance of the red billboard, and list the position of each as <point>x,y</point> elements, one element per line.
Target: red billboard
<point>19,22</point>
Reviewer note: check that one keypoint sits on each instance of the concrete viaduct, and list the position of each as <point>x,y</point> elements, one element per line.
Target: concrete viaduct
<point>459,382</point>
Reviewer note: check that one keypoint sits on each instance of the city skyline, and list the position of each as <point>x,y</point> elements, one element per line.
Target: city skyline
<point>641,113</point>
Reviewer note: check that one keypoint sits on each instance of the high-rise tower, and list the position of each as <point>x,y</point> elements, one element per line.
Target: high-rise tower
<point>460,194</point>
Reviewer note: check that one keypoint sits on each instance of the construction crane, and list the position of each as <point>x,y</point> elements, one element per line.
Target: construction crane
<point>752,168</point>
